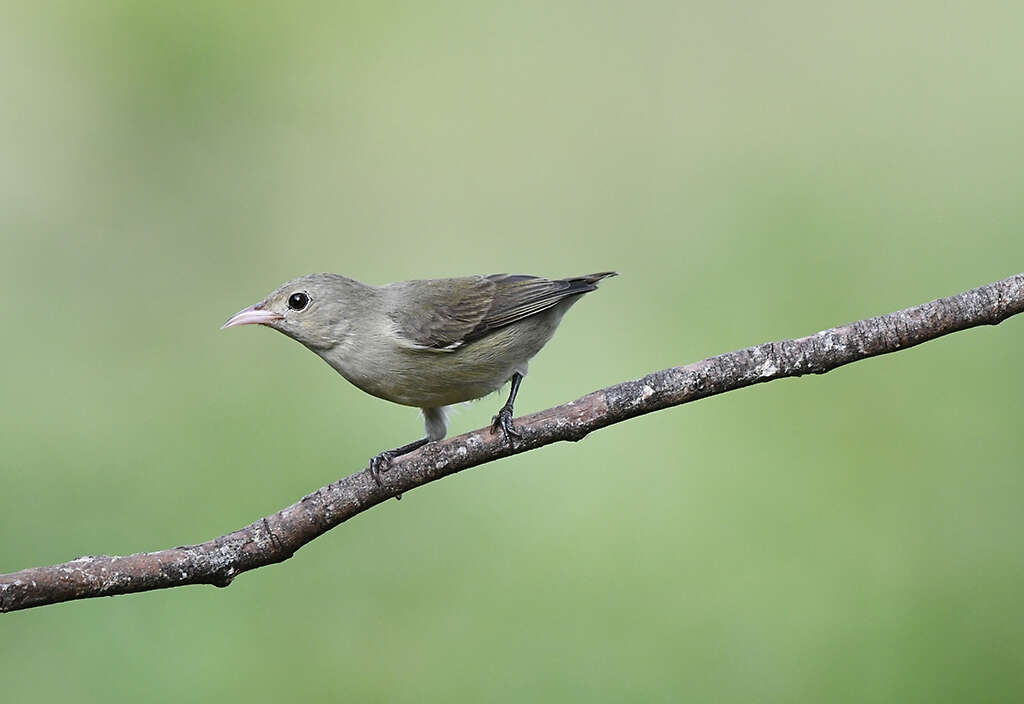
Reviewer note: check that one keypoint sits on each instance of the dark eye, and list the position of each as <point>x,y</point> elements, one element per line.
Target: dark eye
<point>298,301</point>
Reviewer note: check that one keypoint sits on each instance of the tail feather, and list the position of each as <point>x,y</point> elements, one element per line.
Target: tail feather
<point>594,278</point>
<point>588,282</point>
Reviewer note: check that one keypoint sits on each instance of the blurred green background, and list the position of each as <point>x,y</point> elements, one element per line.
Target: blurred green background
<point>756,172</point>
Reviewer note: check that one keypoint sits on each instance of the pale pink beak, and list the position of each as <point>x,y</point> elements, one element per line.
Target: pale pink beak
<point>253,315</point>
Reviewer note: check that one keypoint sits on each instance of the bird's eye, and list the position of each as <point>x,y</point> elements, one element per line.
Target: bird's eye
<point>298,301</point>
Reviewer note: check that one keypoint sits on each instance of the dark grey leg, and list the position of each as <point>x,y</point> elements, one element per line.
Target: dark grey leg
<point>503,420</point>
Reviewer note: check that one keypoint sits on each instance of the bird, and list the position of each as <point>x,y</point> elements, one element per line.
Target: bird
<point>426,343</point>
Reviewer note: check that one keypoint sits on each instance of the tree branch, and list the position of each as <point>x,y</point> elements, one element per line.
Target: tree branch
<point>276,538</point>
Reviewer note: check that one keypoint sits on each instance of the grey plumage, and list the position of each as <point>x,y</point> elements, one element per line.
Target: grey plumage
<point>425,343</point>
<point>458,311</point>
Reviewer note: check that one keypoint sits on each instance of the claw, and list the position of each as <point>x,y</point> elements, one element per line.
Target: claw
<point>503,422</point>
<point>379,464</point>
<point>382,462</point>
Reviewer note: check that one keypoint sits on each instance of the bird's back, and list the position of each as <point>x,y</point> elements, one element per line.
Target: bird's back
<point>449,313</point>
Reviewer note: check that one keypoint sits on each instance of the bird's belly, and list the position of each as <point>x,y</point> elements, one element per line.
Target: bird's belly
<point>431,378</point>
<point>443,381</point>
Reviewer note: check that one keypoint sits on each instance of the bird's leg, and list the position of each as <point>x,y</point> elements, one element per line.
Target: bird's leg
<point>379,463</point>
<point>504,418</point>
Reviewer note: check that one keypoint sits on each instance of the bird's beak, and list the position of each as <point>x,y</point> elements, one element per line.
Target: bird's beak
<point>253,315</point>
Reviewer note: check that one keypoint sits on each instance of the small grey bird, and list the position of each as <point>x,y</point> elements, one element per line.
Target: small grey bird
<point>429,343</point>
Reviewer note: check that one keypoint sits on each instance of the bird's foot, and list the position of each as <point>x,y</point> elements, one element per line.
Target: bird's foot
<point>503,422</point>
<point>380,464</point>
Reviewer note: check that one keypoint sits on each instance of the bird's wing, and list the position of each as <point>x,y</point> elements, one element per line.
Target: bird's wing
<point>450,313</point>
<point>439,315</point>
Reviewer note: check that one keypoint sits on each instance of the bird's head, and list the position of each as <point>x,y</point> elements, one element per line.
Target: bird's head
<point>315,310</point>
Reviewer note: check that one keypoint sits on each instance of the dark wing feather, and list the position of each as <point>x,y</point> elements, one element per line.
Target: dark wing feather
<point>456,311</point>
<point>439,314</point>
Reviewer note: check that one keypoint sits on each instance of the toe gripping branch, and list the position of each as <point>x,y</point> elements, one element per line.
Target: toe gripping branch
<point>503,421</point>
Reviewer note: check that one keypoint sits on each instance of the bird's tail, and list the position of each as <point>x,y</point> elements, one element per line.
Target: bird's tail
<point>588,282</point>
<point>594,278</point>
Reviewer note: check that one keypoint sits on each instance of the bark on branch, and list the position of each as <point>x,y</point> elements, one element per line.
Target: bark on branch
<point>275,538</point>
